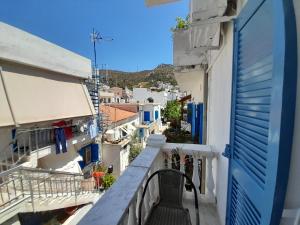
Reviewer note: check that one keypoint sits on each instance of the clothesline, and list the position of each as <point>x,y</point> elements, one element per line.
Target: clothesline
<point>51,127</point>
<point>21,131</point>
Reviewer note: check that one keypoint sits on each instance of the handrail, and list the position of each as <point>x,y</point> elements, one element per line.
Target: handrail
<point>16,184</point>
<point>38,170</point>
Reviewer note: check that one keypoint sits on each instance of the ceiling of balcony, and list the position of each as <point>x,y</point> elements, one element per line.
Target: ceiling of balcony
<point>205,9</point>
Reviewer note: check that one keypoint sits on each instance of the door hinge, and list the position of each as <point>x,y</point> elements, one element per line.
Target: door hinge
<point>227,151</point>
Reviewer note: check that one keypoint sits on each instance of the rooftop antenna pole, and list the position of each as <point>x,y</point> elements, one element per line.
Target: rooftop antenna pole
<point>96,37</point>
<point>106,73</point>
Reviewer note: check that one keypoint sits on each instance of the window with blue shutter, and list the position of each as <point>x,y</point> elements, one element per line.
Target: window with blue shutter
<point>156,114</point>
<point>199,126</point>
<point>263,102</point>
<point>147,116</point>
<point>95,152</point>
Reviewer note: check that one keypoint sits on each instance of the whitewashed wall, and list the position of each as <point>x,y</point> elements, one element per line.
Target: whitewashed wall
<point>142,94</point>
<point>116,155</point>
<point>219,108</point>
<point>293,196</point>
<point>191,81</point>
<point>150,108</point>
<point>67,162</point>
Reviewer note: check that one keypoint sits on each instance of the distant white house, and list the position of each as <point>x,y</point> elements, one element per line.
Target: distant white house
<point>141,95</point>
<point>150,120</point>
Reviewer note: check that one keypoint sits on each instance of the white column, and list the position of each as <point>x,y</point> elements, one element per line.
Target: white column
<point>139,196</point>
<point>169,159</point>
<point>132,218</point>
<point>151,189</point>
<point>182,169</point>
<point>195,178</point>
<point>182,161</point>
<point>146,201</point>
<point>210,184</point>
<point>125,219</point>
<point>156,166</point>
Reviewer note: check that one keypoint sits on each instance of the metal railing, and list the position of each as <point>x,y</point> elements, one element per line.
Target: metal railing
<point>20,182</point>
<point>25,142</point>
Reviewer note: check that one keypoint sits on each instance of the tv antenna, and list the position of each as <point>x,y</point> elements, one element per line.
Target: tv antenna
<point>96,37</point>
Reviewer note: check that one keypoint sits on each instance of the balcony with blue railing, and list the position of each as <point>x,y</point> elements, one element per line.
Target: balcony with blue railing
<point>119,205</point>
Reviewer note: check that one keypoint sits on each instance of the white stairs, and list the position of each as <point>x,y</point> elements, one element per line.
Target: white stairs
<point>31,190</point>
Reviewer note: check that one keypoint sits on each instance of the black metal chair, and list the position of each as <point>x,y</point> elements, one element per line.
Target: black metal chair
<point>169,209</point>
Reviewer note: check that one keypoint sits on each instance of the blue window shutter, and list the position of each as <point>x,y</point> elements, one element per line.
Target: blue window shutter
<point>82,153</point>
<point>156,114</point>
<point>193,120</point>
<point>200,122</point>
<point>81,164</point>
<point>189,112</point>
<point>95,152</point>
<point>262,118</point>
<point>147,116</point>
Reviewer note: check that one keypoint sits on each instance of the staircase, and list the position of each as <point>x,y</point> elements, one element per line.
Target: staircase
<point>31,190</point>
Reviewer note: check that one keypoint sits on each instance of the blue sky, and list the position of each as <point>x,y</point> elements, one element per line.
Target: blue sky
<point>142,37</point>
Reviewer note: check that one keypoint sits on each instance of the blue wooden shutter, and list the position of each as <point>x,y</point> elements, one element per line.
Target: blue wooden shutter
<point>156,114</point>
<point>147,116</point>
<point>263,102</point>
<point>193,120</point>
<point>94,152</point>
<point>189,112</point>
<point>200,114</point>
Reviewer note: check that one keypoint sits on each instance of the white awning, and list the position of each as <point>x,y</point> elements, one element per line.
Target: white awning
<point>6,118</point>
<point>36,95</point>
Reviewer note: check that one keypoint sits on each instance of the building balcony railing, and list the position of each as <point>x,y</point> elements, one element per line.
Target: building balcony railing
<point>28,142</point>
<point>119,205</point>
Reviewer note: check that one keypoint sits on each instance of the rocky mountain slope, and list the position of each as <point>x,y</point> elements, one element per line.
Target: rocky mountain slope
<point>145,78</point>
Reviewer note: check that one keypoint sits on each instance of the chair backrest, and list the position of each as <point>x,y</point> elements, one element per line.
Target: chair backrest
<point>170,188</point>
<point>168,179</point>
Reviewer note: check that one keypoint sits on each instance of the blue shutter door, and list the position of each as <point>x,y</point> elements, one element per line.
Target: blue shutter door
<point>200,122</point>
<point>263,102</point>
<point>156,114</point>
<point>95,152</point>
<point>189,112</point>
<point>147,116</point>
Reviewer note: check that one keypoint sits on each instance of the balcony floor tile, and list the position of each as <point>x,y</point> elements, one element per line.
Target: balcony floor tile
<point>208,212</point>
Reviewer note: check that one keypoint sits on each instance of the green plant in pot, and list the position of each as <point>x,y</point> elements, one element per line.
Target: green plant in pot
<point>172,113</point>
<point>108,181</point>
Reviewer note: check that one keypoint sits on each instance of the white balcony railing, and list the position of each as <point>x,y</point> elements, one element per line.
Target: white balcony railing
<point>119,205</point>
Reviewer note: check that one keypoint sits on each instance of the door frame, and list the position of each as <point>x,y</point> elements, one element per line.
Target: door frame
<point>285,62</point>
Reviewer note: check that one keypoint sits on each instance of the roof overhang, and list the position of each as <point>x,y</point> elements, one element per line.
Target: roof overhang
<point>24,48</point>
